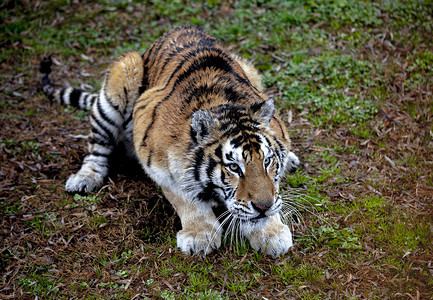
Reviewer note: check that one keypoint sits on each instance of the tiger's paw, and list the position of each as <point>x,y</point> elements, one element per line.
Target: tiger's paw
<point>201,240</point>
<point>78,183</point>
<point>272,240</point>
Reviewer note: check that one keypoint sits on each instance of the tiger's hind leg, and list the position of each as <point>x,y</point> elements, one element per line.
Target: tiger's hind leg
<point>110,121</point>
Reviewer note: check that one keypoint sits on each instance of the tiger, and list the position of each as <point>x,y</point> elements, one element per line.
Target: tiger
<point>195,117</point>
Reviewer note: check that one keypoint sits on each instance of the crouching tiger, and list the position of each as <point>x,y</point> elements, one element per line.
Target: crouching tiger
<point>196,118</point>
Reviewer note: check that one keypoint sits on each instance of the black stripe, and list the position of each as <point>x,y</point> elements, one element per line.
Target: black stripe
<point>281,149</point>
<point>149,158</point>
<point>223,177</point>
<point>198,159</point>
<point>74,97</point>
<point>206,91</point>
<point>238,141</point>
<point>243,209</point>
<point>94,98</point>
<point>175,54</point>
<point>144,81</point>
<point>204,41</point>
<point>246,152</point>
<point>193,135</point>
<point>61,94</point>
<point>267,140</point>
<point>85,99</point>
<point>105,129</point>
<point>157,49</point>
<point>208,193</point>
<point>141,107</point>
<point>209,60</point>
<point>180,65</point>
<point>211,167</point>
<point>245,138</point>
<point>96,153</point>
<point>143,142</point>
<point>90,99</point>
<point>102,142</point>
<point>168,37</point>
<point>102,135</point>
<point>219,153</point>
<point>127,121</point>
<point>109,101</point>
<point>231,193</point>
<point>229,156</point>
<point>281,127</point>
<point>104,116</point>
<point>256,146</point>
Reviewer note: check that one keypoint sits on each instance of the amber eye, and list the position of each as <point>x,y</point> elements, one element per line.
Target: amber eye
<point>234,168</point>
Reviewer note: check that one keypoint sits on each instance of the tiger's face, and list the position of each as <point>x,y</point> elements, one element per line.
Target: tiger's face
<point>246,163</point>
<point>250,180</point>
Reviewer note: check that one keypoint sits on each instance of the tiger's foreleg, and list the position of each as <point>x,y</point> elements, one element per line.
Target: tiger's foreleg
<point>110,121</point>
<point>274,239</point>
<point>199,234</point>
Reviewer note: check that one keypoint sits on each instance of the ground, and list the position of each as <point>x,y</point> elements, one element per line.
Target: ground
<point>352,80</point>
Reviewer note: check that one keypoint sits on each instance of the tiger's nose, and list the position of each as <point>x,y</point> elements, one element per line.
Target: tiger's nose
<point>261,207</point>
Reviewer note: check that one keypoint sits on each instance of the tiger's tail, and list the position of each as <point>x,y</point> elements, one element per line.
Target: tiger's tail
<point>66,96</point>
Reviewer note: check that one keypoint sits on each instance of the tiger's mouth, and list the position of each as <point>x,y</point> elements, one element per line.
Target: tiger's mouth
<point>258,218</point>
<point>262,217</point>
<point>253,216</point>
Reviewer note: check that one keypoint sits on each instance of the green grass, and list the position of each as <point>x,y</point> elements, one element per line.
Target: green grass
<point>324,85</point>
<point>390,227</point>
<point>18,146</point>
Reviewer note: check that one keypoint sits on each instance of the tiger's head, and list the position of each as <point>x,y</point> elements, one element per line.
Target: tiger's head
<point>242,153</point>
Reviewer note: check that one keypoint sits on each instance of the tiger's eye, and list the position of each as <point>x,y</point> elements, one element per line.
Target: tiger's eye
<point>268,161</point>
<point>234,167</point>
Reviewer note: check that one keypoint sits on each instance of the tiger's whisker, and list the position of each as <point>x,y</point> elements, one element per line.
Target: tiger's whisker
<point>225,216</point>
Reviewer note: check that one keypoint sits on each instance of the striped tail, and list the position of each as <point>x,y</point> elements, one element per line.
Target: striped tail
<point>65,96</point>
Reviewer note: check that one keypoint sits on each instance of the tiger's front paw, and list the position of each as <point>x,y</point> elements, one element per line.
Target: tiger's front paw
<point>273,240</point>
<point>201,240</point>
<point>78,183</point>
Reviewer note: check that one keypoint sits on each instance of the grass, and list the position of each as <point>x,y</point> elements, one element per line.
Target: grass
<point>354,78</point>
<point>324,85</point>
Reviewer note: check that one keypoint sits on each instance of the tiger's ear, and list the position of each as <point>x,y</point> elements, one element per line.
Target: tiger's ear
<point>264,111</point>
<point>203,123</point>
